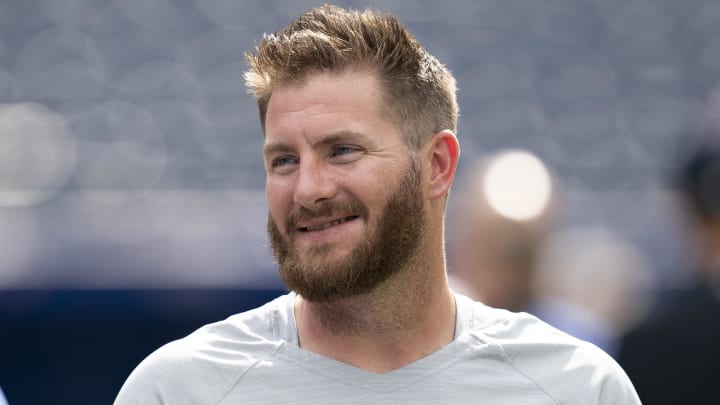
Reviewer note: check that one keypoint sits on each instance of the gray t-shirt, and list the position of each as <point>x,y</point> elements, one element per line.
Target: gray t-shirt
<point>497,357</point>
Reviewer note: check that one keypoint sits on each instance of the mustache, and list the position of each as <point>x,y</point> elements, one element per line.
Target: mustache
<point>326,209</point>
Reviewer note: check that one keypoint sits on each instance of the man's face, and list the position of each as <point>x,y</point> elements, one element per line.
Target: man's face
<point>345,198</point>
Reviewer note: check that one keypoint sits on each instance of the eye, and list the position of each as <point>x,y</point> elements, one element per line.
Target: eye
<point>343,150</point>
<point>283,164</point>
<point>345,153</point>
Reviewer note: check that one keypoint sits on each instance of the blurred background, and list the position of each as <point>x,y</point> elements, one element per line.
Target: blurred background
<point>132,204</point>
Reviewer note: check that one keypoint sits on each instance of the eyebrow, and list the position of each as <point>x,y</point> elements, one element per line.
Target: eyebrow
<point>272,148</point>
<point>341,136</point>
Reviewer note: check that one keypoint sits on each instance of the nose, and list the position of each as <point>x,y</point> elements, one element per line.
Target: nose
<point>314,185</point>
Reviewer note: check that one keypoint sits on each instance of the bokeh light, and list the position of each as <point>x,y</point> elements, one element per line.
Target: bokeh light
<point>518,185</point>
<point>37,154</point>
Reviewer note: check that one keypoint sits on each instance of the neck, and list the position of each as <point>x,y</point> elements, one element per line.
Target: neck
<point>403,320</point>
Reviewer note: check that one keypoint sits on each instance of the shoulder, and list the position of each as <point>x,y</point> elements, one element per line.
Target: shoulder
<point>566,368</point>
<point>208,362</point>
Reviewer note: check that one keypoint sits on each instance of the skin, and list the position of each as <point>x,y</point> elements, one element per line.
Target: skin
<point>325,140</point>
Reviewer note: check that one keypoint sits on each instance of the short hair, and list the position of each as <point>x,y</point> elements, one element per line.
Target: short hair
<point>418,91</point>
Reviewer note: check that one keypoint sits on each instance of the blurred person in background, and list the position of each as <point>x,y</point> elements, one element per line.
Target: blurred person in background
<point>501,215</point>
<point>507,251</point>
<point>593,284</point>
<point>360,152</point>
<point>674,355</point>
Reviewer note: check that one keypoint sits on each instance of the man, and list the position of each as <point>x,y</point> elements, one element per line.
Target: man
<point>673,355</point>
<point>360,153</point>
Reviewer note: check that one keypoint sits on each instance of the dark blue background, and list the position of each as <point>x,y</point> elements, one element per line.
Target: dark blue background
<point>79,346</point>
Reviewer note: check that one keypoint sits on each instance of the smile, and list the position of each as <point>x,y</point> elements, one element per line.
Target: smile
<point>327,225</point>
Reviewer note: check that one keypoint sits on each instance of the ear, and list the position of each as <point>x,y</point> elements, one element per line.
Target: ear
<point>442,153</point>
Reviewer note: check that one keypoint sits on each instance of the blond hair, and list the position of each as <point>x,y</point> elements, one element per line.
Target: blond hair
<point>418,91</point>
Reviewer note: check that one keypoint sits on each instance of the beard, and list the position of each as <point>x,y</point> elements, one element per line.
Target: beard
<point>392,240</point>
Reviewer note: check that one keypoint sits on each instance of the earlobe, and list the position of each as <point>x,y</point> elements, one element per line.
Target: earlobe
<point>443,154</point>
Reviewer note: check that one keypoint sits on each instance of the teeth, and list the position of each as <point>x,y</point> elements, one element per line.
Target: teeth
<point>325,226</point>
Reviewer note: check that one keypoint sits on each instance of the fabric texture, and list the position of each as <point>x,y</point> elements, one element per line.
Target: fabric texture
<point>497,357</point>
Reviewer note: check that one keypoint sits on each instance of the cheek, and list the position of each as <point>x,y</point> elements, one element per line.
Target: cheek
<point>279,199</point>
<point>371,194</point>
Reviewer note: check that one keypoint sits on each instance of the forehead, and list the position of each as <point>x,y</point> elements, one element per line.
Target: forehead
<point>324,101</point>
<point>357,89</point>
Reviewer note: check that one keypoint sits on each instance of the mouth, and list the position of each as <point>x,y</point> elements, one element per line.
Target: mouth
<point>327,225</point>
